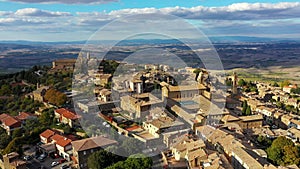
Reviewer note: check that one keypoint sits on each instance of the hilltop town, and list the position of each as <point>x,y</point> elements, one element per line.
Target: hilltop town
<point>69,115</point>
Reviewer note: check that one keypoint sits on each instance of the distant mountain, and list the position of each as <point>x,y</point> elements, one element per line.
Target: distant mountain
<point>231,39</point>
<point>213,39</point>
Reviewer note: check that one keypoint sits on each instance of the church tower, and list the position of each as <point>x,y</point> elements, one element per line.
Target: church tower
<point>234,83</point>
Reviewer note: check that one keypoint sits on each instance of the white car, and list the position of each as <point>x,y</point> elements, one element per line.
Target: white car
<point>54,163</point>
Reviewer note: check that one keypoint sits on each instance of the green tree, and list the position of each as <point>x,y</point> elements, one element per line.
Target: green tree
<point>31,124</point>
<point>137,161</point>
<point>5,90</point>
<point>17,133</point>
<point>55,97</point>
<point>14,146</point>
<point>248,111</point>
<point>242,82</point>
<point>276,84</point>
<point>102,159</point>
<point>284,83</point>
<point>265,141</point>
<point>280,105</point>
<point>296,91</point>
<point>291,155</point>
<point>4,140</point>
<point>245,106</point>
<point>47,116</point>
<point>130,145</point>
<point>282,152</point>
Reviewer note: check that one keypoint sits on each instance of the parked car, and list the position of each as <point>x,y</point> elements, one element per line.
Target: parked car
<point>27,158</point>
<point>54,163</point>
<point>42,157</point>
<point>65,166</point>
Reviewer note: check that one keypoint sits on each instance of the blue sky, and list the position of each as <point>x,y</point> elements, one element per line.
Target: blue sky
<point>117,5</point>
<point>68,20</point>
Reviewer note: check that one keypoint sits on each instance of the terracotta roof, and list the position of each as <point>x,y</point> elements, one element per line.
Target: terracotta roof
<point>67,113</point>
<point>24,115</point>
<point>10,121</point>
<point>47,133</point>
<point>91,143</point>
<point>63,142</point>
<point>57,137</point>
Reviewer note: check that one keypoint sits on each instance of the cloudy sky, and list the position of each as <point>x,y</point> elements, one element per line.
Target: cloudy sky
<point>71,20</point>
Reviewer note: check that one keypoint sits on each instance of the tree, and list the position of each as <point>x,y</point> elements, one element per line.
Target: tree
<point>130,146</point>
<point>248,111</point>
<point>4,140</point>
<point>291,155</point>
<point>102,159</point>
<point>17,133</point>
<point>285,83</point>
<point>296,91</point>
<point>47,116</point>
<point>283,152</point>
<point>5,90</point>
<point>264,140</point>
<point>245,106</point>
<point>55,97</point>
<point>137,161</point>
<point>280,105</point>
<point>276,84</point>
<point>14,146</point>
<point>31,124</point>
<point>242,82</point>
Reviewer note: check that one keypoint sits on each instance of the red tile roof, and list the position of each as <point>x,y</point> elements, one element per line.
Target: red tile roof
<point>57,137</point>
<point>47,133</point>
<point>91,143</point>
<point>132,128</point>
<point>24,115</point>
<point>10,121</point>
<point>63,142</point>
<point>67,113</point>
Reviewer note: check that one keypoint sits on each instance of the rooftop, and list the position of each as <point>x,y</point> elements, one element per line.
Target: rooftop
<point>91,143</point>
<point>67,113</point>
<point>8,120</point>
<point>63,142</point>
<point>248,160</point>
<point>183,87</point>
<point>47,133</point>
<point>251,118</point>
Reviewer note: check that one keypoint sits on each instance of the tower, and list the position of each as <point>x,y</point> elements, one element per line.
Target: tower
<point>201,77</point>
<point>88,56</point>
<point>234,83</point>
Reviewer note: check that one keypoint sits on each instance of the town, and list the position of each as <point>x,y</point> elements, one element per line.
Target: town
<point>70,116</point>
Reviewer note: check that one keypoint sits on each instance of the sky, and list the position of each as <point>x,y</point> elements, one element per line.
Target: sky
<point>73,20</point>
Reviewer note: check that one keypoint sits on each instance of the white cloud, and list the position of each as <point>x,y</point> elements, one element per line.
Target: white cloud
<point>239,18</point>
<point>237,11</point>
<point>5,13</point>
<point>66,1</point>
<point>40,13</point>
